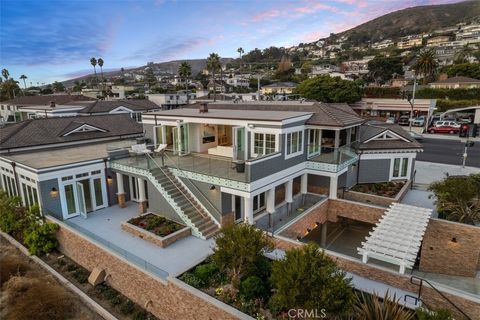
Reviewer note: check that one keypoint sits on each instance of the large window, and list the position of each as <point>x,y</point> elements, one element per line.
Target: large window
<point>264,143</point>
<point>294,143</point>
<point>259,202</point>
<point>314,141</point>
<point>400,168</point>
<point>30,196</point>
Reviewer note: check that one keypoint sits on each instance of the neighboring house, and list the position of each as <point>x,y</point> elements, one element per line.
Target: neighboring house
<point>279,87</point>
<point>238,81</point>
<point>135,108</point>
<point>28,107</point>
<point>167,101</point>
<point>434,41</point>
<point>410,42</point>
<point>456,83</point>
<point>386,152</point>
<point>119,91</point>
<point>220,86</point>
<point>380,108</point>
<point>61,163</point>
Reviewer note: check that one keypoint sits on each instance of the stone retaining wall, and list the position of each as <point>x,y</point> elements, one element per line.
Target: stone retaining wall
<point>165,299</point>
<point>153,238</point>
<point>451,248</point>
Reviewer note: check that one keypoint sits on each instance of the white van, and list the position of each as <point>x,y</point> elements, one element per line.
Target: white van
<point>447,123</point>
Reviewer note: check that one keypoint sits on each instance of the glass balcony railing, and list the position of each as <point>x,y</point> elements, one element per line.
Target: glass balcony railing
<point>330,155</point>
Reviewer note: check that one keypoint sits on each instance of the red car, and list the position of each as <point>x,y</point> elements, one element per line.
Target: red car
<point>445,129</point>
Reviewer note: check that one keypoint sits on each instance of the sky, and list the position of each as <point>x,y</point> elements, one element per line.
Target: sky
<point>49,40</point>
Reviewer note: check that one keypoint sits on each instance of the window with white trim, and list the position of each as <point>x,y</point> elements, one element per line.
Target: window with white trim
<point>263,143</point>
<point>259,202</point>
<point>137,116</point>
<point>400,168</point>
<point>294,143</point>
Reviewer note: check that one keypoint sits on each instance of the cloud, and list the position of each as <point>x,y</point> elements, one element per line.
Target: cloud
<point>43,35</point>
<point>169,48</point>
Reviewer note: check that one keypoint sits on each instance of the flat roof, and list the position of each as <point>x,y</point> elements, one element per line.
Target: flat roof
<point>231,114</point>
<point>42,159</point>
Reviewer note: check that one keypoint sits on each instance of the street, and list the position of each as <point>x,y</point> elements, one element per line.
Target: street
<point>449,152</point>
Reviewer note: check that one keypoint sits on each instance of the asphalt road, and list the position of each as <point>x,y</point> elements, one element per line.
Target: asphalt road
<point>449,152</point>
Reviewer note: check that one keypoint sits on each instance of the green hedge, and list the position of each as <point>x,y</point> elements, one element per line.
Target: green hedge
<point>444,105</point>
<point>452,94</point>
<point>382,92</point>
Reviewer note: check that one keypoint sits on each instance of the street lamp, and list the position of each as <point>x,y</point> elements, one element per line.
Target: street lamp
<point>411,100</point>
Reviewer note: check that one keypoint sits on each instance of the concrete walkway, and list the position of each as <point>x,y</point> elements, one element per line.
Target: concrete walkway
<point>428,172</point>
<point>174,259</point>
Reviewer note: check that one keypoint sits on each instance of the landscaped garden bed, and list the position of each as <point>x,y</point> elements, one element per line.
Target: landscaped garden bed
<point>156,229</point>
<point>110,299</point>
<point>385,189</point>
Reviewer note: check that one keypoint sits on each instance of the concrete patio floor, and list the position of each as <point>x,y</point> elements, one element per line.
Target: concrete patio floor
<point>174,259</point>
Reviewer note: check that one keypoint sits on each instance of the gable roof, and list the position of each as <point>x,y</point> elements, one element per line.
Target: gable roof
<point>280,85</point>
<point>373,129</point>
<point>45,100</point>
<point>323,114</point>
<point>103,106</point>
<point>50,131</point>
<point>459,79</point>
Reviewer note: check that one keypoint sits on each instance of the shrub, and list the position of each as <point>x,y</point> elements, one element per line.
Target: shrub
<point>115,300</point>
<point>240,250</point>
<point>141,315</point>
<point>370,307</point>
<point>109,293</point>
<point>191,280</point>
<point>81,275</point>
<point>440,314</point>
<point>11,213</point>
<point>252,288</point>
<point>40,238</point>
<point>154,221</point>
<point>205,272</point>
<point>72,267</point>
<point>127,307</point>
<point>308,279</point>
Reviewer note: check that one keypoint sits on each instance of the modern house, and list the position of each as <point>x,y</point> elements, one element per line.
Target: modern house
<point>167,101</point>
<point>61,163</point>
<point>28,107</point>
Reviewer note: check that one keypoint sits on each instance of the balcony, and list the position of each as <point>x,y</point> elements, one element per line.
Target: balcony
<point>331,159</point>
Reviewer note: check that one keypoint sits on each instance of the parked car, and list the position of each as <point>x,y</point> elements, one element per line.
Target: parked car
<point>419,122</point>
<point>403,121</point>
<point>390,120</point>
<point>444,129</point>
<point>447,123</point>
<point>416,136</point>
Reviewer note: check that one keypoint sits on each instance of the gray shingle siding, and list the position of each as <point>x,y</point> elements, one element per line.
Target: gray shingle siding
<point>50,206</point>
<point>374,170</point>
<point>268,167</point>
<point>213,196</point>
<point>157,204</point>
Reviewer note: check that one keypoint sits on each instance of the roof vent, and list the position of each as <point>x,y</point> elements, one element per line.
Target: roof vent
<point>203,108</point>
<point>52,104</point>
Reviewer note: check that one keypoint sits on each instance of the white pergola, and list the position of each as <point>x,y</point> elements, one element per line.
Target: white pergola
<point>397,237</point>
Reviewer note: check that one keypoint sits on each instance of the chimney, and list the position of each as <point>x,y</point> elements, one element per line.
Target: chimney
<point>203,108</point>
<point>52,104</point>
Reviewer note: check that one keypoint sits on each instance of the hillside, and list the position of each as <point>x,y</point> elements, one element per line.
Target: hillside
<point>413,21</point>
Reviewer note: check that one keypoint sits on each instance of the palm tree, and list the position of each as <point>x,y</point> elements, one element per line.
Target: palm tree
<point>240,51</point>
<point>93,62</point>
<point>213,64</point>
<point>100,64</point>
<point>463,55</point>
<point>24,77</point>
<point>185,71</point>
<point>5,74</point>
<point>426,65</point>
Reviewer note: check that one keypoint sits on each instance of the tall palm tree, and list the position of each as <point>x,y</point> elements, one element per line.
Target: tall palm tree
<point>100,64</point>
<point>93,62</point>
<point>426,65</point>
<point>241,52</point>
<point>5,74</point>
<point>24,77</point>
<point>213,64</point>
<point>185,71</point>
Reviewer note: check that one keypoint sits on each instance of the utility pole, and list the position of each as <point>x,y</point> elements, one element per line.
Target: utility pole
<point>258,87</point>
<point>412,103</point>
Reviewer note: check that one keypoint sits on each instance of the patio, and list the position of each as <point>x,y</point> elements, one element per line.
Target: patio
<point>104,226</point>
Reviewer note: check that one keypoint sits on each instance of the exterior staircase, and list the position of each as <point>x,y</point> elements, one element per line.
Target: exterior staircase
<point>185,204</point>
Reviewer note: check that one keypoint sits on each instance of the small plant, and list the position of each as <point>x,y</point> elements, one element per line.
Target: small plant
<point>127,307</point>
<point>101,288</point>
<point>109,293</point>
<point>115,300</point>
<point>61,262</point>
<point>81,276</point>
<point>154,221</point>
<point>191,280</point>
<point>140,315</point>
<point>440,314</point>
<point>252,288</point>
<point>205,272</point>
<point>371,307</point>
<point>72,267</point>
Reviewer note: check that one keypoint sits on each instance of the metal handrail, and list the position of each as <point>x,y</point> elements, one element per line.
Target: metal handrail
<point>194,186</point>
<point>420,285</point>
<point>176,186</point>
